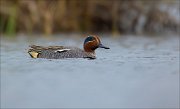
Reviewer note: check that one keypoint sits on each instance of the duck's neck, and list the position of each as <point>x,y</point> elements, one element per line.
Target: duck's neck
<point>91,52</point>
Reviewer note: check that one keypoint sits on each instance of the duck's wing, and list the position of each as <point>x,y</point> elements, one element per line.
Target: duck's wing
<point>35,50</point>
<point>35,47</point>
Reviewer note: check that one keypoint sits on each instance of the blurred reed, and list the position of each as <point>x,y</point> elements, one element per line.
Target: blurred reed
<point>110,16</point>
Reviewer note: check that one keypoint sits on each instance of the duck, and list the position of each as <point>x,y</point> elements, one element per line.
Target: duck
<point>91,43</point>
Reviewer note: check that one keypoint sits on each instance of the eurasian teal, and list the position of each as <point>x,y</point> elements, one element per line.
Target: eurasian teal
<point>91,43</point>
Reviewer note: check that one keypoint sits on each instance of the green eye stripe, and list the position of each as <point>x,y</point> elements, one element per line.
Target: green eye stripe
<point>90,38</point>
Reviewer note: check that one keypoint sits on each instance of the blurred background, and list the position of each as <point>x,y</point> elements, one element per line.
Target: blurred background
<point>140,70</point>
<point>89,16</point>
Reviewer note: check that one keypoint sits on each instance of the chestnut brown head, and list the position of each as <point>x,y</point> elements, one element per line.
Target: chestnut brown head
<point>93,42</point>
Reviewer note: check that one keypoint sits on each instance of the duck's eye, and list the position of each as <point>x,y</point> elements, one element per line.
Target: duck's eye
<point>90,38</point>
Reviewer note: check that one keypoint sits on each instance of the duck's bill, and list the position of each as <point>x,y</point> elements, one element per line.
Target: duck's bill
<point>102,46</point>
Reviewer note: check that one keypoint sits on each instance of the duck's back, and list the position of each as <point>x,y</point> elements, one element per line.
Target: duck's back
<point>57,52</point>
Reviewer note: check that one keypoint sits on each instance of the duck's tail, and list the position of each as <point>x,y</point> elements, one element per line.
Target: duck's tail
<point>33,52</point>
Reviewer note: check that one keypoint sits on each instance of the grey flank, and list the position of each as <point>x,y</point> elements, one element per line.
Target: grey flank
<point>72,53</point>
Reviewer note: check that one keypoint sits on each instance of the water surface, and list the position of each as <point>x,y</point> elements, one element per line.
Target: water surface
<point>137,72</point>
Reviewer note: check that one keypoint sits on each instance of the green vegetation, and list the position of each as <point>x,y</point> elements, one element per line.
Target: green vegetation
<point>11,22</point>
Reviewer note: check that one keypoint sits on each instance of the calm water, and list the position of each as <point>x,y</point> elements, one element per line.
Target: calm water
<point>136,72</point>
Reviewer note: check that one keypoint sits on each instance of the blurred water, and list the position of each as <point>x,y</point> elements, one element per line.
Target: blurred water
<point>137,72</point>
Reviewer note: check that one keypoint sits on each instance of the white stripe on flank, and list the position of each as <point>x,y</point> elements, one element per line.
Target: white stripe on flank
<point>62,50</point>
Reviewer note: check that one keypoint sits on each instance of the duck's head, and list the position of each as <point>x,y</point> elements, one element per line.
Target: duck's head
<point>93,42</point>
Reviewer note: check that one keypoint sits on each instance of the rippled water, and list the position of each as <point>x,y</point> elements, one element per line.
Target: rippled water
<point>137,72</point>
